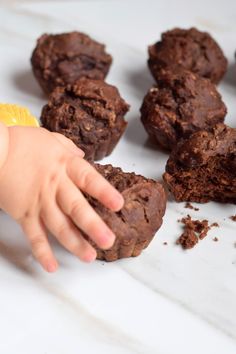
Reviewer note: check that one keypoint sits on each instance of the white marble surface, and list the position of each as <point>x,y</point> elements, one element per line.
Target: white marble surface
<point>167,300</point>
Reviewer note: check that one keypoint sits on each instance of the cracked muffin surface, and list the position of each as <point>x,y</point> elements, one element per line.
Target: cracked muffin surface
<point>90,113</point>
<point>180,104</point>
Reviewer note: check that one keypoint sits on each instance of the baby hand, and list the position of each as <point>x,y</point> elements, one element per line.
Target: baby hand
<point>41,185</point>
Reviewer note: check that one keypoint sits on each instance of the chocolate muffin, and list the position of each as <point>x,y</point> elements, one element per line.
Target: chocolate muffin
<point>203,167</point>
<point>62,59</point>
<point>90,113</point>
<point>180,104</point>
<point>189,49</point>
<point>141,216</point>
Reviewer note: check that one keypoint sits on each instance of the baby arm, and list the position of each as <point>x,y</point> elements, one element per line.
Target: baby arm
<point>42,177</point>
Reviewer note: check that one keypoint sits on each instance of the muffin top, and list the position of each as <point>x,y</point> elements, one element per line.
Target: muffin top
<point>185,101</point>
<point>191,49</point>
<point>64,58</point>
<point>90,112</point>
<point>220,141</point>
<point>145,203</point>
<point>88,104</point>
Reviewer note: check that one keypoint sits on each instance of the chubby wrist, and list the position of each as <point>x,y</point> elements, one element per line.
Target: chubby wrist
<point>4,143</point>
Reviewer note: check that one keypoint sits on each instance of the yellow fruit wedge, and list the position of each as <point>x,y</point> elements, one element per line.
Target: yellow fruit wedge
<point>12,114</point>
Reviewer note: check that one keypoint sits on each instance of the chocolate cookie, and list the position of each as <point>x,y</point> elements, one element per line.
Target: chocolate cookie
<point>203,167</point>
<point>90,113</point>
<point>141,216</point>
<point>62,59</point>
<point>190,49</point>
<point>180,104</point>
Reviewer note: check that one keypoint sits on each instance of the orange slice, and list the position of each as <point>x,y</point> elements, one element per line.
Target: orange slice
<point>12,114</point>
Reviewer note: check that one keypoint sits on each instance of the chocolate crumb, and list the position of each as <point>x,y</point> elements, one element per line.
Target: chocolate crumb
<point>165,243</point>
<point>190,206</point>
<point>194,230</point>
<point>188,239</point>
<point>233,217</point>
<point>215,224</point>
<point>199,227</point>
<point>215,239</point>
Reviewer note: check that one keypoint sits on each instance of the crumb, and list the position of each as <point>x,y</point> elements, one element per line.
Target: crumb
<point>215,224</point>
<point>165,243</point>
<point>188,239</point>
<point>190,206</point>
<point>194,230</point>
<point>215,239</point>
<point>202,228</point>
<point>199,227</point>
<point>233,217</point>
